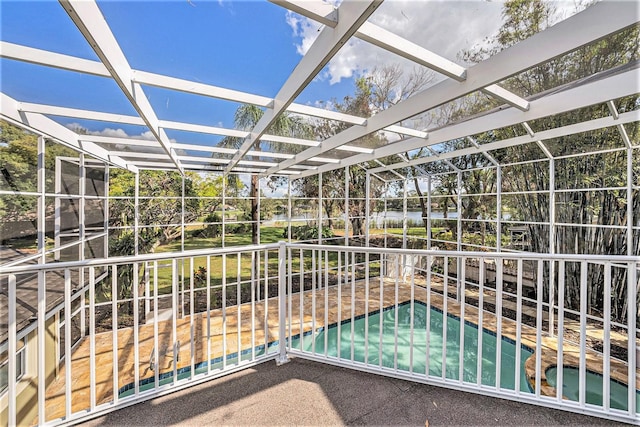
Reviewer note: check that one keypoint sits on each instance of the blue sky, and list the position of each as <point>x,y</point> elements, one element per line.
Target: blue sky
<point>250,46</point>
<point>242,45</point>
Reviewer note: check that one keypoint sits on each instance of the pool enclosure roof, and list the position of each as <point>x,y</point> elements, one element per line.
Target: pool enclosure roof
<point>352,23</point>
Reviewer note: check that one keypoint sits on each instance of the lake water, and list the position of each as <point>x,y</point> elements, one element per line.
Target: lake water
<point>377,218</point>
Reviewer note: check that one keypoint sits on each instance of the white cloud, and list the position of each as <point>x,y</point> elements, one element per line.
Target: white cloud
<point>304,29</point>
<point>114,133</point>
<point>147,135</point>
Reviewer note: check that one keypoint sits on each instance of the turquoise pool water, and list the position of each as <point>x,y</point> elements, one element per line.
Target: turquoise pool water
<point>404,360</point>
<point>593,395</point>
<point>403,357</point>
<point>367,349</point>
<point>200,368</point>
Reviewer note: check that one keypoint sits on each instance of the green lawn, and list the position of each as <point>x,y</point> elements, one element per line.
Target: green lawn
<point>214,268</point>
<point>215,265</point>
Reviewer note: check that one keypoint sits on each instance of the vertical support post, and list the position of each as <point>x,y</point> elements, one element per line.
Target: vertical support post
<point>258,225</point>
<point>136,209</point>
<point>13,347</point>
<point>82,175</point>
<point>405,225</point>
<point>346,205</point>
<point>582,371</point>
<point>105,225</point>
<point>552,242</point>
<point>459,239</point>
<point>429,212</point>
<point>320,283</point>
<point>320,208</point>
<point>42,304</point>
<point>606,340</point>
<point>499,208</point>
<point>57,219</point>
<point>367,209</point>
<point>114,330</point>
<point>282,303</point>
<point>68,386</point>
<point>136,331</point>
<point>81,241</point>
<point>92,339</point>
<point>632,289</point>
<point>182,261</point>
<point>405,228</point>
<point>347,219</point>
<point>632,313</point>
<point>630,248</point>
<point>182,200</point>
<point>224,206</point>
<point>174,318</point>
<point>459,208</point>
<point>155,295</point>
<point>41,199</point>
<point>147,291</point>
<point>384,217</point>
<point>289,209</point>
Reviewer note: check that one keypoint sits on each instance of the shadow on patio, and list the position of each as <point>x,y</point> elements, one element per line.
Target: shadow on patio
<point>308,393</point>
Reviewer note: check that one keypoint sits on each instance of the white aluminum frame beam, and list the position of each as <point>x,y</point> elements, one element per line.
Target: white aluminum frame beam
<point>55,110</point>
<point>166,124</point>
<point>204,167</point>
<point>566,36</point>
<point>81,65</point>
<point>196,88</point>
<point>539,143</point>
<point>319,11</point>
<point>621,129</point>
<point>393,43</point>
<point>486,155</point>
<point>600,91</point>
<point>194,159</point>
<point>89,20</point>
<point>590,125</point>
<point>353,14</point>
<point>10,109</point>
<point>52,59</point>
<point>177,146</point>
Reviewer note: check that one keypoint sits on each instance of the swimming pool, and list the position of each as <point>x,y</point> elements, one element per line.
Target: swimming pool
<point>594,391</point>
<point>378,349</point>
<point>404,359</point>
<point>383,345</point>
<point>200,368</point>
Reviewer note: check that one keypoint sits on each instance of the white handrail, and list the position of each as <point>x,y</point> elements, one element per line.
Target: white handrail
<point>128,259</point>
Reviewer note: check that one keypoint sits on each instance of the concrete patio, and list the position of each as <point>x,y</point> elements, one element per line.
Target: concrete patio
<point>303,392</point>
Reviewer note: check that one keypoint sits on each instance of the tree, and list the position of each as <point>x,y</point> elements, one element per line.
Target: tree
<point>18,174</point>
<point>602,208</point>
<point>246,117</point>
<point>373,92</point>
<point>159,206</point>
<point>388,86</point>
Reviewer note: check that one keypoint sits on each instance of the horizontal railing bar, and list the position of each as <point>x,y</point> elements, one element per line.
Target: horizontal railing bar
<point>471,254</point>
<point>130,259</point>
<point>52,250</point>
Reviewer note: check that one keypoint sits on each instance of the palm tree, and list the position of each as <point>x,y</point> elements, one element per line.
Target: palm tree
<point>245,118</point>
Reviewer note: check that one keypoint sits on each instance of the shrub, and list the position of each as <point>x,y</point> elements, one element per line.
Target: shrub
<point>308,232</point>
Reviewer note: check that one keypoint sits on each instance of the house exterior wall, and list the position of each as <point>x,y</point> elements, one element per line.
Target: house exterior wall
<point>27,386</point>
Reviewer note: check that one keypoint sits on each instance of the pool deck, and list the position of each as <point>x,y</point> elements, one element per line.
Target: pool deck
<point>306,393</point>
<point>265,321</point>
